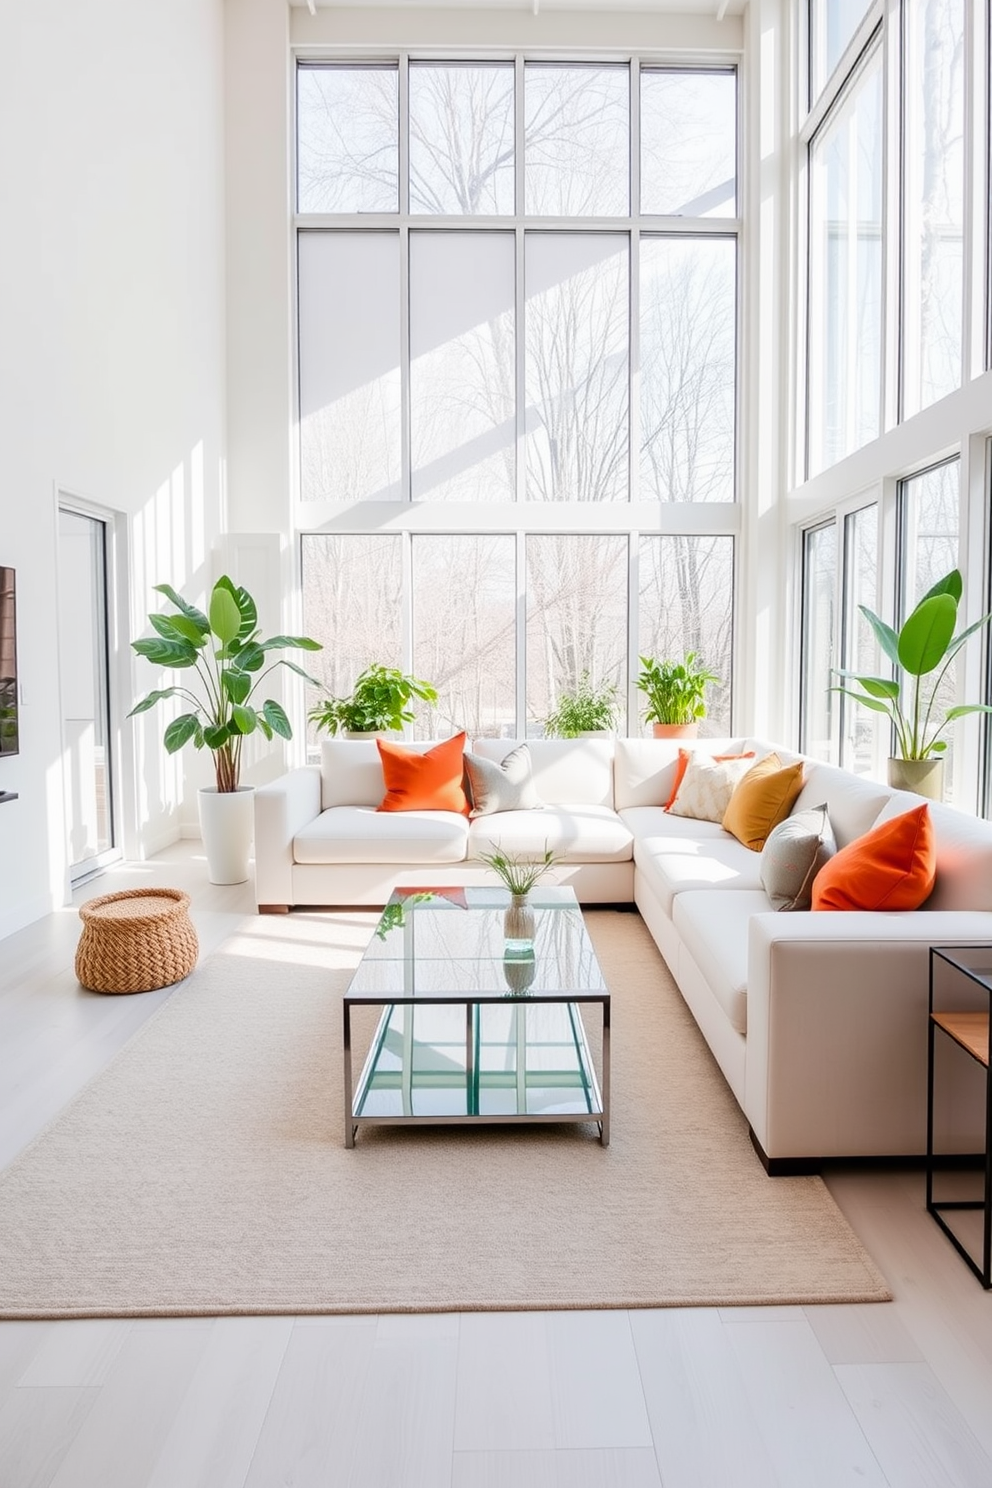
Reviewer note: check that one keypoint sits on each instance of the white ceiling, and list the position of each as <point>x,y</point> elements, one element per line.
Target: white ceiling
<point>677,7</point>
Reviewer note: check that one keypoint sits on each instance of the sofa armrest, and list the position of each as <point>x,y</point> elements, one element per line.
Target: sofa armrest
<point>837,1028</point>
<point>282,808</point>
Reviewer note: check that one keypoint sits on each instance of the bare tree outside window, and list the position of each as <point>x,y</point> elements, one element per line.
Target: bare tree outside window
<point>576,370</point>
<point>576,146</point>
<point>576,616</point>
<point>688,142</point>
<point>686,604</point>
<point>464,633</point>
<point>352,589</point>
<point>461,138</point>
<point>688,368</point>
<point>347,138</point>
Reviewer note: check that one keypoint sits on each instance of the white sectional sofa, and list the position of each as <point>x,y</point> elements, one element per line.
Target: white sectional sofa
<point>818,1020</point>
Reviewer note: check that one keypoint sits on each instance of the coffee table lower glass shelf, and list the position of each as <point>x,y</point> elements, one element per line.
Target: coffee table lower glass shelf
<point>468,1034</point>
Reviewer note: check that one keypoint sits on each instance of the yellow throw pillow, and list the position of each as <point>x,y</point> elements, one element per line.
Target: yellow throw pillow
<point>762,799</point>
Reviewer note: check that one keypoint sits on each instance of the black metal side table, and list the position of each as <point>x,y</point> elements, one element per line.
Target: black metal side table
<point>969,1029</point>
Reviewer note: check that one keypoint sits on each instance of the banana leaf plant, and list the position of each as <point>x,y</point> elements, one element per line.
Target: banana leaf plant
<point>925,646</point>
<point>225,651</point>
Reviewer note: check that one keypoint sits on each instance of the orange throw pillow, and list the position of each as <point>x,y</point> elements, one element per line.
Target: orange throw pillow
<point>892,867</point>
<point>424,782</point>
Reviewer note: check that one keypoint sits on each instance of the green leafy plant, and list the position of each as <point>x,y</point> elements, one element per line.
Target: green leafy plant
<point>583,709</point>
<point>380,701</point>
<point>675,690</point>
<point>519,874</point>
<point>925,646</point>
<point>225,651</point>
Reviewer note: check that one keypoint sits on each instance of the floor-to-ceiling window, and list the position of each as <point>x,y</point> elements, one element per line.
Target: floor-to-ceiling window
<point>517,288</point>
<point>896,398</point>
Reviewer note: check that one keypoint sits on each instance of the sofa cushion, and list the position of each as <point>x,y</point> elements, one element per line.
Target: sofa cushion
<point>713,925</point>
<point>576,834</point>
<point>361,834</point>
<point>676,855</point>
<point>793,855</point>
<point>707,786</point>
<point>762,799</point>
<point>644,769</point>
<point>428,780</point>
<point>566,771</point>
<point>891,868</point>
<point>507,786</point>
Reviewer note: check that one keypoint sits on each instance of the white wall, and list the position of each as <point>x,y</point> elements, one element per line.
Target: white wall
<point>111,358</point>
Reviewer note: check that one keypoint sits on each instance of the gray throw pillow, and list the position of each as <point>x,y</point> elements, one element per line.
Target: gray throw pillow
<point>793,854</point>
<point>508,786</point>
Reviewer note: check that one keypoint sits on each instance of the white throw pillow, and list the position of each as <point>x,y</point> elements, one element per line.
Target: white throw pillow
<point>707,786</point>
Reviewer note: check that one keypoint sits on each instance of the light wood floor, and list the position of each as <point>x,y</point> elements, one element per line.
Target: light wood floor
<point>894,1394</point>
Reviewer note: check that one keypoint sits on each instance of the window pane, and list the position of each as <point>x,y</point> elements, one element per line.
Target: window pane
<point>930,518</point>
<point>862,742</point>
<point>461,138</point>
<point>348,139</point>
<point>934,201</point>
<point>688,368</point>
<point>576,617</point>
<point>464,610</point>
<point>845,322</point>
<point>576,373</point>
<point>352,605</point>
<point>349,366</point>
<point>819,594</point>
<point>687,604</point>
<point>832,26</point>
<point>689,143</point>
<point>577,144</point>
<point>462,379</point>
<point>929,507</point>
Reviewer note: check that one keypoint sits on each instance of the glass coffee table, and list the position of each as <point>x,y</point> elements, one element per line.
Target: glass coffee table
<point>472,1031</point>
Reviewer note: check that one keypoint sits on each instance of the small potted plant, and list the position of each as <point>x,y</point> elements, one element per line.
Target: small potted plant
<point>676,695</point>
<point>585,709</point>
<point>379,703</point>
<point>228,658</point>
<point>925,646</point>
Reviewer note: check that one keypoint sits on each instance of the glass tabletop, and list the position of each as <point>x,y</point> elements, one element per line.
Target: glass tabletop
<point>452,943</point>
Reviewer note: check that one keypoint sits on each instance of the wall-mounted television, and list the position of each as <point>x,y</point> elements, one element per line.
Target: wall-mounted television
<point>8,663</point>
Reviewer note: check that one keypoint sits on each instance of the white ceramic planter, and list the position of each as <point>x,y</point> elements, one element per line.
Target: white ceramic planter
<point>227,820</point>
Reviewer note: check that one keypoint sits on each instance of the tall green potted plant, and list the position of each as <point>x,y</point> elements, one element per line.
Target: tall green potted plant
<point>676,695</point>
<point>924,647</point>
<point>379,703</point>
<point>224,651</point>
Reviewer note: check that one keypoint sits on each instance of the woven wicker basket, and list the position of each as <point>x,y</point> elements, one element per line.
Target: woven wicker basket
<point>135,941</point>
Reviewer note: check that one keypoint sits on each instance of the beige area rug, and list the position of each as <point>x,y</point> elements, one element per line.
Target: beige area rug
<point>204,1172</point>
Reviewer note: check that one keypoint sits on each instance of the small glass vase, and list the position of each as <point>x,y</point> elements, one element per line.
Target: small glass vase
<point>518,929</point>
